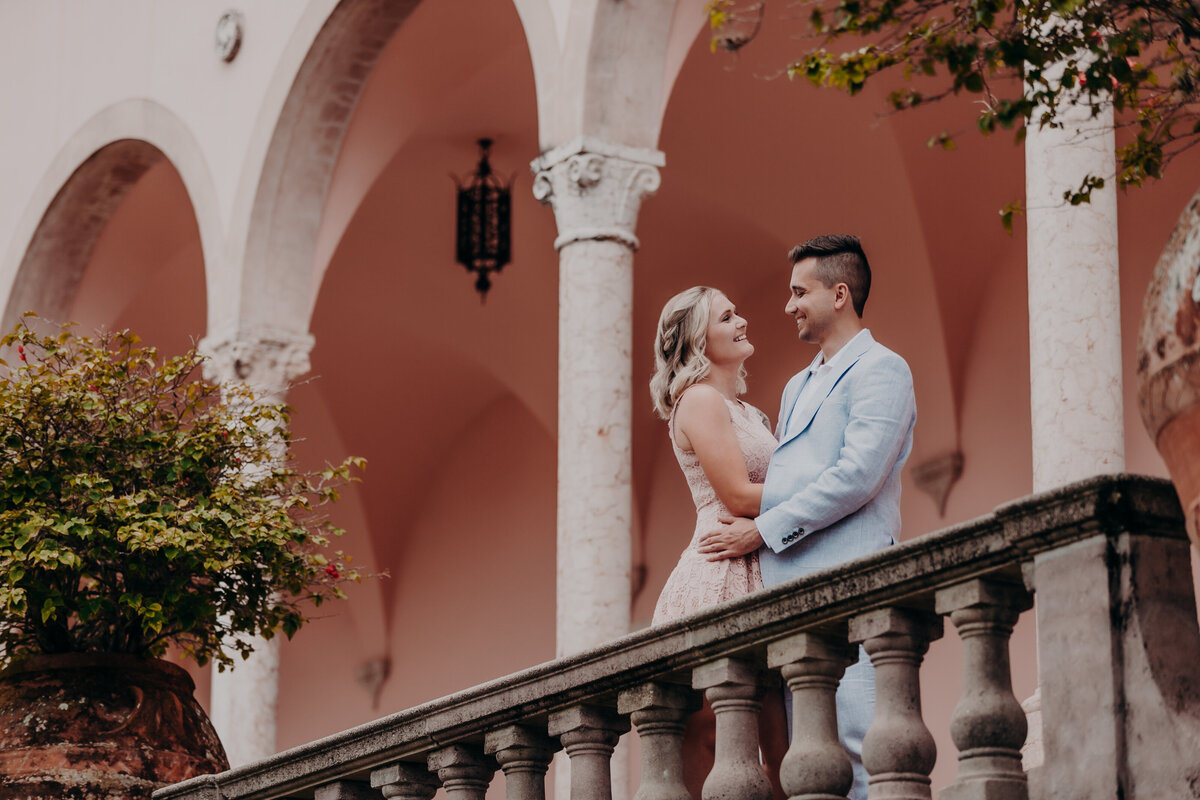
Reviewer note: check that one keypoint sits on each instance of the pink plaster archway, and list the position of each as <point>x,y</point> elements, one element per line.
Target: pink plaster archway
<point>276,254</point>
<point>83,187</point>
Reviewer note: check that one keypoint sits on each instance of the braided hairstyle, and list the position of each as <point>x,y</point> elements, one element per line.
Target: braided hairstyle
<point>679,344</point>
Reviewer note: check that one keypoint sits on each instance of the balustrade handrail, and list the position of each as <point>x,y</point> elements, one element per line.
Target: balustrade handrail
<point>999,546</point>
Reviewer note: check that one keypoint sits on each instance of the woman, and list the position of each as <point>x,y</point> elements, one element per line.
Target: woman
<point>723,446</point>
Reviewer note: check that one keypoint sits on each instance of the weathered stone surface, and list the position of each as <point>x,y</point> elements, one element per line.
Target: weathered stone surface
<point>898,750</point>
<point>734,687</point>
<point>997,544</point>
<point>1075,397</point>
<point>589,734</point>
<point>1168,366</point>
<point>1118,647</point>
<point>346,790</point>
<point>989,724</point>
<point>596,191</point>
<point>100,727</point>
<point>406,781</point>
<point>524,754</point>
<point>658,711</point>
<point>816,766</point>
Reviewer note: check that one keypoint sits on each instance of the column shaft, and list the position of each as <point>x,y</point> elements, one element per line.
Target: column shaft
<point>244,700</point>
<point>594,443</point>
<point>1074,302</point>
<point>596,190</point>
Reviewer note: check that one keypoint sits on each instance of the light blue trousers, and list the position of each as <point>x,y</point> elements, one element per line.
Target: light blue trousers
<point>855,709</point>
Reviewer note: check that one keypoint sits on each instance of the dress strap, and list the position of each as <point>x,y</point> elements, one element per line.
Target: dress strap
<point>671,421</point>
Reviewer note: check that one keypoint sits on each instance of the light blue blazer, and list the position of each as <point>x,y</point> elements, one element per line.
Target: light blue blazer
<point>833,486</point>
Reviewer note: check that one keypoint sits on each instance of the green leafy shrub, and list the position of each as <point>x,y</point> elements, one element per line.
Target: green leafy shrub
<point>140,508</point>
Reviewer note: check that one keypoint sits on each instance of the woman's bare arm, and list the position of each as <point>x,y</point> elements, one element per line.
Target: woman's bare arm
<point>702,425</point>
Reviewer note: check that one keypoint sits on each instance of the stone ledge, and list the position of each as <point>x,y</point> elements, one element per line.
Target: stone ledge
<point>908,574</point>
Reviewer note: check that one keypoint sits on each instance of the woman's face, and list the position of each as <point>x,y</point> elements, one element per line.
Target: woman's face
<point>727,342</point>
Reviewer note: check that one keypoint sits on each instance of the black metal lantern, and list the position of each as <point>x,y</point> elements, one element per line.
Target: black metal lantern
<point>484,222</point>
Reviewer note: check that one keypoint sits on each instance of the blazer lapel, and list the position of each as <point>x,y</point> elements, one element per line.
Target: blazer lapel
<point>803,416</point>
<point>789,405</point>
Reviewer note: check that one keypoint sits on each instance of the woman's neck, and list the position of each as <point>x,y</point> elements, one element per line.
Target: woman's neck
<point>724,381</point>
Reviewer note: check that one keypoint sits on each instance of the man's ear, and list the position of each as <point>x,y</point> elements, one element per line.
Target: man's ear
<point>841,296</point>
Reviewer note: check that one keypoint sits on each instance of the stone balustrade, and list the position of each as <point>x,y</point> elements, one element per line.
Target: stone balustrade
<point>1119,662</point>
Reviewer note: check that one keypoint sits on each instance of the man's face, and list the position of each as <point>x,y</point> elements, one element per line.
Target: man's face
<point>810,303</point>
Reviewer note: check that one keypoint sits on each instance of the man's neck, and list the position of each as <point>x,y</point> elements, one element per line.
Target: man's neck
<point>837,340</point>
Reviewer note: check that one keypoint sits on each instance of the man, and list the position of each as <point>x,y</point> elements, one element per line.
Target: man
<point>845,430</point>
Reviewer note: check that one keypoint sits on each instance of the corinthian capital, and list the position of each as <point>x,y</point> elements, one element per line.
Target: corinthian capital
<point>265,360</point>
<point>596,189</point>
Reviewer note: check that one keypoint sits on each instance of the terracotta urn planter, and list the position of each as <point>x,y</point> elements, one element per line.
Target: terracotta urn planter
<point>1168,367</point>
<point>100,727</point>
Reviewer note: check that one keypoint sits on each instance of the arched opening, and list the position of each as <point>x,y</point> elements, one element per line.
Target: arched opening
<point>452,401</point>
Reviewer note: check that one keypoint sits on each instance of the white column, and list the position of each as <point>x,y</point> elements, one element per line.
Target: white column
<point>1074,301</point>
<point>596,190</point>
<point>1074,315</point>
<point>244,700</point>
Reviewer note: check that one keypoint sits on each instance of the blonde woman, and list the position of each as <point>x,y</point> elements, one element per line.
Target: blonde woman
<point>723,446</point>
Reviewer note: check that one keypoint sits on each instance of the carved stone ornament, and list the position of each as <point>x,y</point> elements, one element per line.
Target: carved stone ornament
<point>229,35</point>
<point>596,189</point>
<point>267,361</point>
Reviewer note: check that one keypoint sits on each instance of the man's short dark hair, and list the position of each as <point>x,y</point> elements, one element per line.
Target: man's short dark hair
<point>840,259</point>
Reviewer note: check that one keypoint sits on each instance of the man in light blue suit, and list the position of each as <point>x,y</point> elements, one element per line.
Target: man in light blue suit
<point>845,430</point>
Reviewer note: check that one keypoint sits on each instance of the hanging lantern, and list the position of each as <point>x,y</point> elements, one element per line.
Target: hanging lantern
<point>484,222</point>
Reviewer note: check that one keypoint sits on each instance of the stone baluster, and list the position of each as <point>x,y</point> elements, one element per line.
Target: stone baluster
<point>988,726</point>
<point>816,766</point>
<point>524,754</point>
<point>658,712</point>
<point>346,790</point>
<point>898,750</point>
<point>589,735</point>
<point>405,781</point>
<point>464,771</point>
<point>734,690</point>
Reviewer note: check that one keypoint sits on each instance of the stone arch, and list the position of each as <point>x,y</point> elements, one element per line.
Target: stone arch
<point>277,218</point>
<point>82,188</point>
<point>591,61</point>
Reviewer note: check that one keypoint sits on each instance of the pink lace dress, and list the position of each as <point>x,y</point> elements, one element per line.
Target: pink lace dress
<point>696,582</point>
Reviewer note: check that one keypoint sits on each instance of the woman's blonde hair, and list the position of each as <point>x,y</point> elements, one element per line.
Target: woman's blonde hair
<point>679,344</point>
